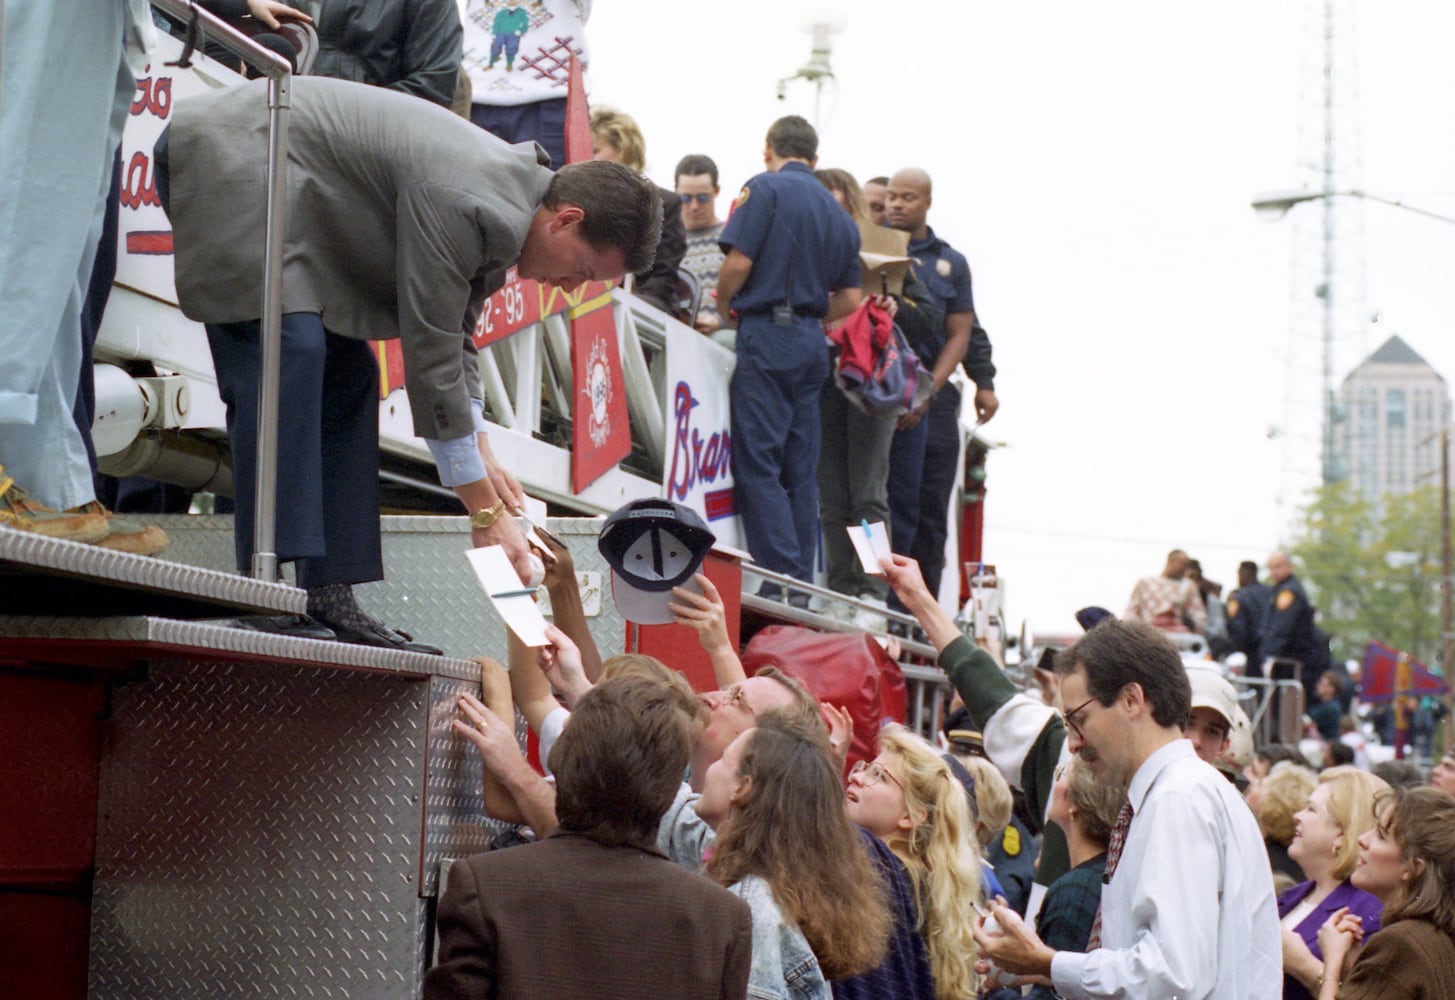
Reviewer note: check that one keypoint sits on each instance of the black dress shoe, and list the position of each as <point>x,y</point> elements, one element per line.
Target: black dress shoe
<point>381,635</point>
<point>297,626</point>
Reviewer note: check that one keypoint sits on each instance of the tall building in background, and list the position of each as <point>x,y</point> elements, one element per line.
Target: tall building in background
<point>1391,405</point>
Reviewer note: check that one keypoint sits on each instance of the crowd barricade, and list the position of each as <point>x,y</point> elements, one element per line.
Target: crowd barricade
<point>1275,707</point>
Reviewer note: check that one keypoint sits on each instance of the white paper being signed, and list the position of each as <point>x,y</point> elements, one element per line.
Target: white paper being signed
<point>513,602</point>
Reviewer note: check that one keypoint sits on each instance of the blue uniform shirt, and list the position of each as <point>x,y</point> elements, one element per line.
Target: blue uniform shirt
<point>802,244</point>
<point>946,273</point>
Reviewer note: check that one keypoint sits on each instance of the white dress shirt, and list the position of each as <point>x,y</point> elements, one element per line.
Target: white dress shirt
<point>1190,913</point>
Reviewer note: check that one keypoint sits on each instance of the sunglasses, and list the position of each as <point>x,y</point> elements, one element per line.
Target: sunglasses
<point>702,199</point>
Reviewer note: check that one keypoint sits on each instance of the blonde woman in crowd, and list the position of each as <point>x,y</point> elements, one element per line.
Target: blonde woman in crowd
<point>1281,795</point>
<point>909,799</point>
<point>1326,846</point>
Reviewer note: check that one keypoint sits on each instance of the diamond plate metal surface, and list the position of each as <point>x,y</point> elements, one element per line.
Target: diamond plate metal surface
<point>455,825</point>
<point>258,835</point>
<point>212,640</point>
<point>428,589</point>
<point>38,574</point>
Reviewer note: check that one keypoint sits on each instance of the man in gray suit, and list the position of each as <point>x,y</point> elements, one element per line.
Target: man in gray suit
<point>401,219</point>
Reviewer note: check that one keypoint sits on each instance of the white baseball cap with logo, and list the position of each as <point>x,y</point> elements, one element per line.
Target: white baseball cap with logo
<point>652,545</point>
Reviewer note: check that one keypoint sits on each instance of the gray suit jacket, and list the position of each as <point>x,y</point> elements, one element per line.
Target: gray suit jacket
<point>568,918</point>
<point>401,218</point>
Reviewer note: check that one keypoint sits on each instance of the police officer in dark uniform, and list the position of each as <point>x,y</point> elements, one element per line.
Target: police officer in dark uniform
<point>1288,630</point>
<point>1247,608</point>
<point>924,459</point>
<point>791,263</point>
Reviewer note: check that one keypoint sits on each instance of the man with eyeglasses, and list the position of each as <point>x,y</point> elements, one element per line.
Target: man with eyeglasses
<point>1188,907</point>
<point>697,186</point>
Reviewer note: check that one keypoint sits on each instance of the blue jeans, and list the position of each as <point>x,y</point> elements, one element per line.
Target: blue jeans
<point>923,463</point>
<point>775,426</point>
<point>67,89</point>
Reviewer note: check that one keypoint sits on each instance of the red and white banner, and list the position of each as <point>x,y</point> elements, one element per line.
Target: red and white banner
<point>697,470</point>
<point>600,434</point>
<point>144,257</point>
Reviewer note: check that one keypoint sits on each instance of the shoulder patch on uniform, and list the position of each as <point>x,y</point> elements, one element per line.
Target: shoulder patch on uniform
<point>943,267</point>
<point>742,197</point>
<point>1010,841</point>
<point>1285,600</point>
<point>1232,607</point>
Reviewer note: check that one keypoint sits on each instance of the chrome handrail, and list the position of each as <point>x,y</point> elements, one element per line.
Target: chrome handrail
<point>280,75</point>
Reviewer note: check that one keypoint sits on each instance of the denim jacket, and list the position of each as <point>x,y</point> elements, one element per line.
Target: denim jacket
<point>784,967</point>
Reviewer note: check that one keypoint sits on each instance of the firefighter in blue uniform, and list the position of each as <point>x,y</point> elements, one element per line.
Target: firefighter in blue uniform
<point>1288,629</point>
<point>1247,608</point>
<point>791,263</point>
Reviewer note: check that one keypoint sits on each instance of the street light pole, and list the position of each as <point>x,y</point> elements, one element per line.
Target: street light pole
<point>1447,577</point>
<point>1274,206</point>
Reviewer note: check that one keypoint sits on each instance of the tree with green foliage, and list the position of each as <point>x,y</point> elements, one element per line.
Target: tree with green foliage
<point>1374,574</point>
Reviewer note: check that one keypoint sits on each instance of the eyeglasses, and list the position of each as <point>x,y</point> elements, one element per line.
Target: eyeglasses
<point>1073,722</point>
<point>701,198</point>
<point>873,774</point>
<point>736,698</point>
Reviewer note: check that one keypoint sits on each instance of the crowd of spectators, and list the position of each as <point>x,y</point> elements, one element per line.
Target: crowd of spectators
<point>1162,879</point>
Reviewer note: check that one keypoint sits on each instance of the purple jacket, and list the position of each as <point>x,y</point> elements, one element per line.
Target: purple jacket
<point>1359,902</point>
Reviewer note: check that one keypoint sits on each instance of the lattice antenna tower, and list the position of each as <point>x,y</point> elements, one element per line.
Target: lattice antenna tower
<point>1329,331</point>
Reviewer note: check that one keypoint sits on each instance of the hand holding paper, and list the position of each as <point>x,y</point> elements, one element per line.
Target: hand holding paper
<point>871,543</point>
<point>514,603</point>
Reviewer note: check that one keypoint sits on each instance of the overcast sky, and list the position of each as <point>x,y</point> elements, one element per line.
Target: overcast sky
<point>1096,162</point>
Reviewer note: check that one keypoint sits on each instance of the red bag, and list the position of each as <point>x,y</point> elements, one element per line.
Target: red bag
<point>845,669</point>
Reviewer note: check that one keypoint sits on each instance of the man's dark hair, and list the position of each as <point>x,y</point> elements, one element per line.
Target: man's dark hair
<point>1117,653</point>
<point>1247,572</point>
<point>696,163</point>
<point>1339,754</point>
<point>620,761</point>
<point>1398,773</point>
<point>881,181</point>
<point>1275,753</point>
<point>793,138</point>
<point>623,210</point>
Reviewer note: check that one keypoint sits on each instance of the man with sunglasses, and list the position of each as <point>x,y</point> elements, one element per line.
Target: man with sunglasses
<point>1188,907</point>
<point>697,186</point>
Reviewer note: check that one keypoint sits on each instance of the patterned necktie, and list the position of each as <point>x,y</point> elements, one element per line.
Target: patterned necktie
<point>1113,855</point>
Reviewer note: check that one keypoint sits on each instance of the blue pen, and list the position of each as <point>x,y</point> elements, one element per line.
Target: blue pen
<point>514,593</point>
<point>864,523</point>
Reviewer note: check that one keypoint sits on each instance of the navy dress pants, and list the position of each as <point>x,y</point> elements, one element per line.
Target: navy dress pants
<point>775,425</point>
<point>923,465</point>
<point>328,447</point>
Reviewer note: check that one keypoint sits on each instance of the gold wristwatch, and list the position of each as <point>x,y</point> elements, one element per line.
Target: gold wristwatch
<point>486,517</point>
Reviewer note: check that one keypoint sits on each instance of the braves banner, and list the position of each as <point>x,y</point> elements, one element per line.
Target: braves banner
<point>600,434</point>
<point>697,470</point>
<point>1389,673</point>
<point>144,258</point>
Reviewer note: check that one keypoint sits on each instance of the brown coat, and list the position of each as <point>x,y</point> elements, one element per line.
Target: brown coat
<point>568,918</point>
<point>1405,960</point>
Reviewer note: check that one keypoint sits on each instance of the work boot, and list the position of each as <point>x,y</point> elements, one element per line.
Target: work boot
<point>18,510</point>
<point>124,535</point>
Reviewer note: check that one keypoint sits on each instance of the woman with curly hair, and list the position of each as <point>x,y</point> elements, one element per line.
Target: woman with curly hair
<point>1281,794</point>
<point>1407,861</point>
<point>786,847</point>
<point>908,798</point>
